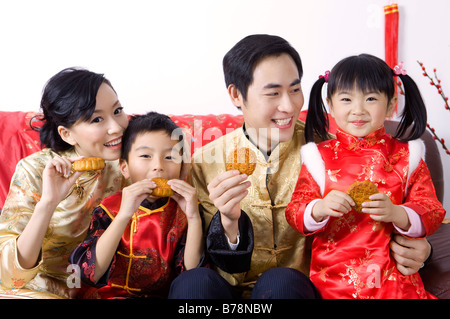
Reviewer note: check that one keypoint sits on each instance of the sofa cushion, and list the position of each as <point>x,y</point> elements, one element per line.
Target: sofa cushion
<point>17,140</point>
<point>436,275</point>
<point>202,129</point>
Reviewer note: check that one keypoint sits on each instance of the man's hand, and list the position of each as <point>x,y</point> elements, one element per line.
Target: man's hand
<point>226,191</point>
<point>409,254</point>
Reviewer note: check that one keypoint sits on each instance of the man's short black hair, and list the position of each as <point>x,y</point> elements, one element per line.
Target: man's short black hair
<point>240,62</point>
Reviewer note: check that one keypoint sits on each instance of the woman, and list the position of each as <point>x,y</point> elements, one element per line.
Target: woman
<point>47,211</point>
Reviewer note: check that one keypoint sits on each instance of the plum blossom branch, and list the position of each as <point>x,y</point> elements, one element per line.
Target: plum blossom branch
<point>436,82</point>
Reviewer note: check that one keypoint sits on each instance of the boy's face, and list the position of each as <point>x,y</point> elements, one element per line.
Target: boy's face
<point>274,101</point>
<point>153,154</point>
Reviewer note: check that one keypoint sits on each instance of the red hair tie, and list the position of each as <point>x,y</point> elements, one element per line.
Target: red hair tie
<point>398,69</point>
<point>327,73</point>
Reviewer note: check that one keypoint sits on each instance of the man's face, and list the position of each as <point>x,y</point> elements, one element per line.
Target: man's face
<point>274,101</point>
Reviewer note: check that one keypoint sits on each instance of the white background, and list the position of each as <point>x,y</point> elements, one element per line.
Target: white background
<point>167,55</point>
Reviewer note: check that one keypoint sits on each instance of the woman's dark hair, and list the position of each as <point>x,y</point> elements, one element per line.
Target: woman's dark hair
<point>367,73</point>
<point>68,96</point>
<point>150,122</point>
<point>240,62</point>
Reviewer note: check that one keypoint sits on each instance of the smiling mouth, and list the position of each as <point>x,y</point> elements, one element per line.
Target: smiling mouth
<point>114,142</point>
<point>282,122</point>
<point>359,123</point>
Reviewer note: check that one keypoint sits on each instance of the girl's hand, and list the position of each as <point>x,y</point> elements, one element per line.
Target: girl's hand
<point>132,197</point>
<point>335,204</point>
<point>382,209</point>
<point>186,197</point>
<point>57,179</point>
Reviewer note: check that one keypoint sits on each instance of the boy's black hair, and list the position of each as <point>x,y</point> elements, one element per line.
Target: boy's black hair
<point>150,122</point>
<point>367,73</point>
<point>240,62</point>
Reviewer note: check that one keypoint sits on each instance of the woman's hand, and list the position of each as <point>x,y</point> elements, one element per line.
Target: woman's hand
<point>57,180</point>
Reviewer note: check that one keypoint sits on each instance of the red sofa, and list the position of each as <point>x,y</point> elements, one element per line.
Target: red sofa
<point>18,140</point>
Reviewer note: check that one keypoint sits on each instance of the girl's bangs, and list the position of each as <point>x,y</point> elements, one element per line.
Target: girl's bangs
<point>361,74</point>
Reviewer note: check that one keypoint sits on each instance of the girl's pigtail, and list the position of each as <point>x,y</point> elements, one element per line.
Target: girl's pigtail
<point>316,124</point>
<point>414,114</point>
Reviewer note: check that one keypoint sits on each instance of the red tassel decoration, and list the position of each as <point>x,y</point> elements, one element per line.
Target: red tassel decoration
<point>391,37</point>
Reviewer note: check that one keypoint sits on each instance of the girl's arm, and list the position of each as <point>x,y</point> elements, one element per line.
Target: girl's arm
<point>306,190</point>
<point>421,198</point>
<point>410,254</point>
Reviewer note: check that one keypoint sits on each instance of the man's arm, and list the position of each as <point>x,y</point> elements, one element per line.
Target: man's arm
<point>230,261</point>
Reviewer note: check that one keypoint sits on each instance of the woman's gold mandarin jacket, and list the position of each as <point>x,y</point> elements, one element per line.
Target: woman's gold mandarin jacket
<point>68,225</point>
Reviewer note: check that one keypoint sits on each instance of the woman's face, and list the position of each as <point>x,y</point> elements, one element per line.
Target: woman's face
<point>101,135</point>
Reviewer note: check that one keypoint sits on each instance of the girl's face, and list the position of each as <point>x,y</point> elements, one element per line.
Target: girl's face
<point>359,113</point>
<point>153,155</point>
<point>101,135</point>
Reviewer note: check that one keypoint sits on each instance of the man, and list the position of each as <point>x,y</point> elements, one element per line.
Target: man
<point>249,240</point>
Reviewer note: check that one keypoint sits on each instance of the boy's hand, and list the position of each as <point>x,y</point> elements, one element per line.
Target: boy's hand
<point>382,209</point>
<point>186,197</point>
<point>133,195</point>
<point>335,204</point>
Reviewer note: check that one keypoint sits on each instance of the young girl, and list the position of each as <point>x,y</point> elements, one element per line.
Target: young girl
<point>137,242</point>
<point>350,256</point>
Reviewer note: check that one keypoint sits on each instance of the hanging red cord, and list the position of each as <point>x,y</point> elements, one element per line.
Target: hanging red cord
<point>391,36</point>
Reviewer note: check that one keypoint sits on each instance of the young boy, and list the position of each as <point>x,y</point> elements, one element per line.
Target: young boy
<point>137,243</point>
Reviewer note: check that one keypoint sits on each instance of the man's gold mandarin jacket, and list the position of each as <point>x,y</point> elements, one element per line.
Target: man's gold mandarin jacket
<point>67,228</point>
<point>275,243</point>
